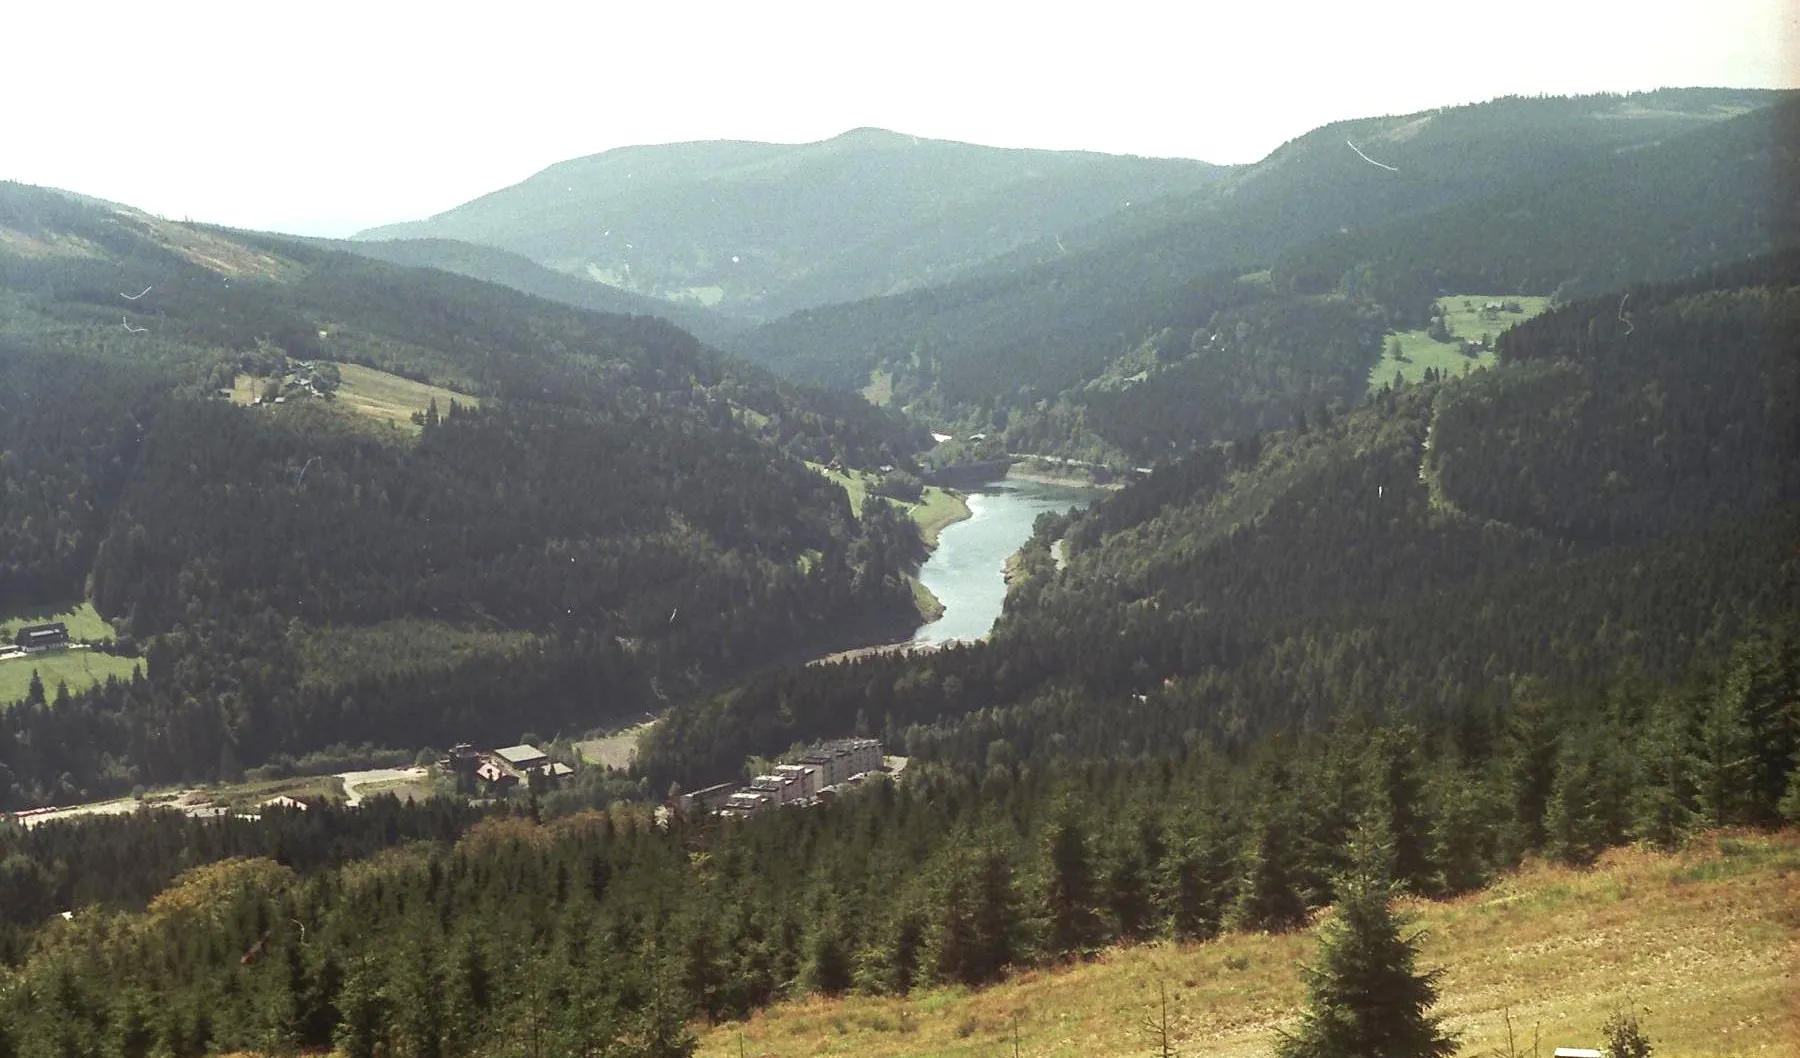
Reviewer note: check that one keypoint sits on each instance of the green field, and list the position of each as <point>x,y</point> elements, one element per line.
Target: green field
<point>77,668</point>
<point>880,390</point>
<point>1467,320</point>
<point>939,507</point>
<point>1703,941</point>
<point>84,623</point>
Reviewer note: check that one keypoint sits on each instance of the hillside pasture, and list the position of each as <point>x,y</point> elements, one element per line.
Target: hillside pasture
<point>391,398</point>
<point>80,669</point>
<point>1467,320</point>
<point>616,750</point>
<point>1704,940</point>
<point>85,623</point>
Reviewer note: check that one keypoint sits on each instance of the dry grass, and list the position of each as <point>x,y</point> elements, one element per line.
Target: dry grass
<point>391,398</point>
<point>219,253</point>
<point>616,750</point>
<point>1708,941</point>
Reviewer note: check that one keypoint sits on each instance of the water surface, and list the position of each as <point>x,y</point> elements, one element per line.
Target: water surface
<point>966,572</point>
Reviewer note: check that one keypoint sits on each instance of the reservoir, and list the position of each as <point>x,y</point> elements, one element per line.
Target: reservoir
<point>967,571</point>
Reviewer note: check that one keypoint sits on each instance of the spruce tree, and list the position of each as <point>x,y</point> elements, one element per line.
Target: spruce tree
<point>1364,997</point>
<point>1069,898</point>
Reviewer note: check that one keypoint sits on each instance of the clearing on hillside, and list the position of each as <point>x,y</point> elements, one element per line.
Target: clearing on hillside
<point>85,623</point>
<point>79,668</point>
<point>1706,940</point>
<point>364,391</point>
<point>616,750</point>
<point>392,398</point>
<point>937,507</point>
<point>1470,318</point>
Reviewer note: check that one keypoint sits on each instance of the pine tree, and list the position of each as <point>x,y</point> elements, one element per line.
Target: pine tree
<point>1395,788</point>
<point>1268,898</point>
<point>1724,760</point>
<point>364,1012</point>
<point>1069,895</point>
<point>1662,800</point>
<point>1364,997</point>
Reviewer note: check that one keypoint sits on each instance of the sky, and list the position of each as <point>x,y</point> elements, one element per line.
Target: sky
<point>326,117</point>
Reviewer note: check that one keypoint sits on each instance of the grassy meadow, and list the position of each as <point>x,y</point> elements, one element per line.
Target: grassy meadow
<point>1467,320</point>
<point>1705,942</point>
<point>84,622</point>
<point>365,391</point>
<point>391,398</point>
<point>77,668</point>
<point>938,507</point>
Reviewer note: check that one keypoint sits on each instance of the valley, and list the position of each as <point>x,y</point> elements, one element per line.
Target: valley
<point>1229,578</point>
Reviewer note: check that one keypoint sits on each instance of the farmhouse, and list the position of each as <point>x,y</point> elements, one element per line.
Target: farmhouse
<point>496,779</point>
<point>522,758</point>
<point>36,639</point>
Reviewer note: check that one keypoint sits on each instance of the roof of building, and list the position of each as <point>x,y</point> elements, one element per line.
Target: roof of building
<point>559,769</point>
<point>520,755</point>
<point>1577,1052</point>
<point>54,628</point>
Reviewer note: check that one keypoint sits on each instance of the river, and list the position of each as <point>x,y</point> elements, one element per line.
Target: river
<point>967,571</point>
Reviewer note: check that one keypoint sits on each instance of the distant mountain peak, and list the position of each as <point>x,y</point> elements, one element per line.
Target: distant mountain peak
<point>758,230</point>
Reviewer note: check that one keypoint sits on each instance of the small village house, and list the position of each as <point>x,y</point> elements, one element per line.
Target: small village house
<point>35,639</point>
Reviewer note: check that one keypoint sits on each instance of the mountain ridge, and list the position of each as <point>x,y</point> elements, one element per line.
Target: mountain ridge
<point>670,219</point>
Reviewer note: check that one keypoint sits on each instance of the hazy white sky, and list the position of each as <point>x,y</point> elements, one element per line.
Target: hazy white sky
<point>325,116</point>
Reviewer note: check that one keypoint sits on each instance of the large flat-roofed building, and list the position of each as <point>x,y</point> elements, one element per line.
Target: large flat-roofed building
<point>785,789</point>
<point>806,775</point>
<point>839,759</point>
<point>522,758</point>
<point>709,799</point>
<point>746,803</point>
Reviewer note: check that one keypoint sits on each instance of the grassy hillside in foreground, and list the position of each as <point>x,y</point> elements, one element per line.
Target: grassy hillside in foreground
<point>1705,940</point>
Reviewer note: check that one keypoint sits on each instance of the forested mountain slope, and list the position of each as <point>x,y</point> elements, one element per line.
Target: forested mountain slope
<point>1619,495</point>
<point>508,269</point>
<point>1537,612</point>
<point>1579,194</point>
<point>617,511</point>
<point>759,229</point>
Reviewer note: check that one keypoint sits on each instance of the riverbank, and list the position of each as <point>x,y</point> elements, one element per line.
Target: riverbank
<point>940,508</point>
